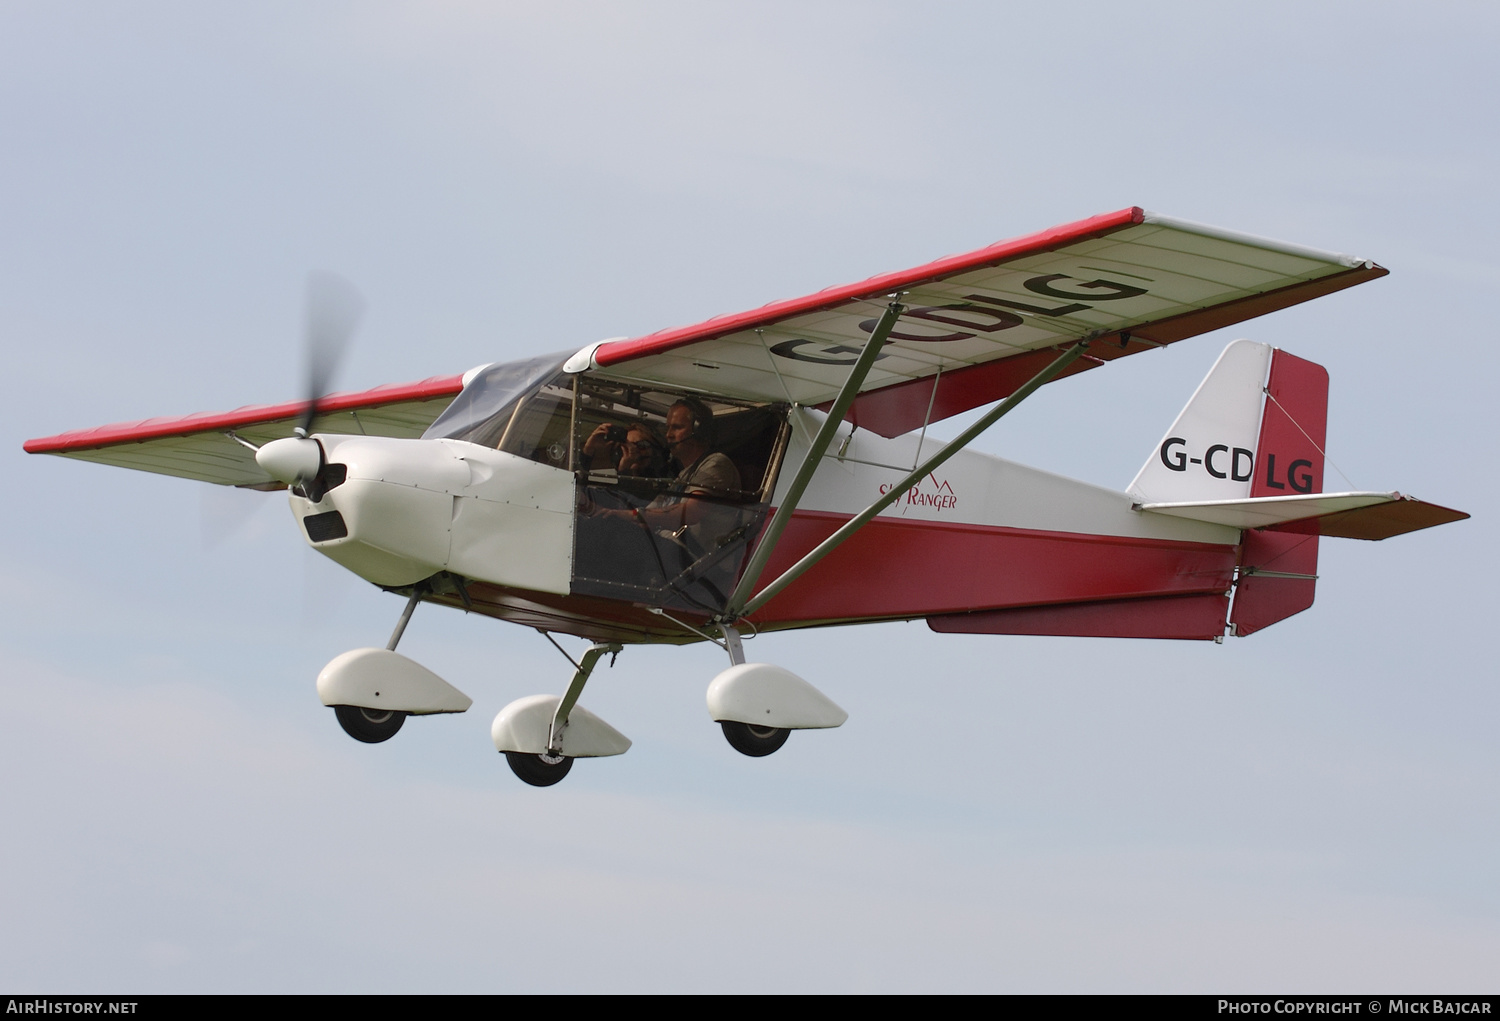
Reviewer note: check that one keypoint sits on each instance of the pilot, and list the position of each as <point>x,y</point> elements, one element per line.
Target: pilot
<point>704,472</point>
<point>690,437</point>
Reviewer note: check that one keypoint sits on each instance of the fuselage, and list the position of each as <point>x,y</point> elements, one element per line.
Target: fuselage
<point>502,534</point>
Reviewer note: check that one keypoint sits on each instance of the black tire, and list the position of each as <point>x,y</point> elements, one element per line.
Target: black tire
<point>754,741</point>
<point>371,726</point>
<point>539,770</point>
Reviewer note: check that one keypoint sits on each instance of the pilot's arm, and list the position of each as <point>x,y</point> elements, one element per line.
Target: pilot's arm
<point>714,475</point>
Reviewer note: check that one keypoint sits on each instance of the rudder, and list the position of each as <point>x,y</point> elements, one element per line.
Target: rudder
<point>1278,570</point>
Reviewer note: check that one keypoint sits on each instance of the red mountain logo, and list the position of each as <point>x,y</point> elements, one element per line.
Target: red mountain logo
<point>931,492</point>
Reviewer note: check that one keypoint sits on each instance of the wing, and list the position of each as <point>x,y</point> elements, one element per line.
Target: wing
<point>981,324</point>
<point>204,447</point>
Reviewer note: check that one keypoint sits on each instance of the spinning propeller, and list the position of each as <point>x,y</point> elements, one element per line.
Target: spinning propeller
<point>334,308</point>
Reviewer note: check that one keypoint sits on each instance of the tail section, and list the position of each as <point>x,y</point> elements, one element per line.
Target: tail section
<point>1247,453</point>
<point>1254,428</point>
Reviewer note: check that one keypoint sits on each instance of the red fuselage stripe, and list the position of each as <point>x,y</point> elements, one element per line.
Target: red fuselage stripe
<point>905,568</point>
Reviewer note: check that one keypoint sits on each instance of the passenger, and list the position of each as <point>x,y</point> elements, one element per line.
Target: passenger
<point>633,450</point>
<point>645,454</point>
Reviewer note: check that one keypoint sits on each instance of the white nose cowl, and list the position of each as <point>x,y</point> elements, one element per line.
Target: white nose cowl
<point>291,460</point>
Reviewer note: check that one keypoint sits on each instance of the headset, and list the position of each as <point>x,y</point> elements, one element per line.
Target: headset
<point>702,418</point>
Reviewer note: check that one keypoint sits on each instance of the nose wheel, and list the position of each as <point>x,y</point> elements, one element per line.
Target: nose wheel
<point>748,739</point>
<point>371,726</point>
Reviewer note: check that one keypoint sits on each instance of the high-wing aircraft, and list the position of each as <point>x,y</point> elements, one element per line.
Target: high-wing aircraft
<point>772,470</point>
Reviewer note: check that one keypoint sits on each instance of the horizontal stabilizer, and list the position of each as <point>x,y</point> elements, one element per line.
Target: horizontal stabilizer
<point>1343,515</point>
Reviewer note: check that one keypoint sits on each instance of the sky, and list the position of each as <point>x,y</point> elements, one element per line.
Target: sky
<point>1311,808</point>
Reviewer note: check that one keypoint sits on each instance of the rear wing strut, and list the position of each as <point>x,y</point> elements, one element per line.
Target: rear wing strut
<point>736,608</point>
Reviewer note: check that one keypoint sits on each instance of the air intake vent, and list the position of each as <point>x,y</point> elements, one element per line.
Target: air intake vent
<point>328,477</point>
<point>322,527</point>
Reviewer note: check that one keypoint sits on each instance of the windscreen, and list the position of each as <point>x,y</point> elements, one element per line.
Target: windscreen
<point>482,411</point>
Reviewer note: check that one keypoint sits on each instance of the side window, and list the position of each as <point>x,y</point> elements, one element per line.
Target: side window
<point>540,427</point>
<point>620,439</point>
<point>673,489</point>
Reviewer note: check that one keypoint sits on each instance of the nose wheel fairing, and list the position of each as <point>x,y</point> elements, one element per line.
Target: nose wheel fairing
<point>527,726</point>
<point>541,735</point>
<point>382,680</point>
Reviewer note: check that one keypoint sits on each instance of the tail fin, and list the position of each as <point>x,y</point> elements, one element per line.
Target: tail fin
<point>1255,427</point>
<point>1209,453</point>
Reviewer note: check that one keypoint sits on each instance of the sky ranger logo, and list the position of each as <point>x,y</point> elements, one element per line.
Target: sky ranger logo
<point>938,496</point>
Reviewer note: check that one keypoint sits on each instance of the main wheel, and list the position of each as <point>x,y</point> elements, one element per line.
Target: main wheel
<point>748,739</point>
<point>371,726</point>
<point>539,770</point>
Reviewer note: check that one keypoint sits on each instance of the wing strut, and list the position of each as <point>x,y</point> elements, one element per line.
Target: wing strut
<point>814,457</point>
<point>895,493</point>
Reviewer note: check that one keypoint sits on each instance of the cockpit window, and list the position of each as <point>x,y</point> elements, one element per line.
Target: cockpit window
<point>621,431</point>
<point>672,486</point>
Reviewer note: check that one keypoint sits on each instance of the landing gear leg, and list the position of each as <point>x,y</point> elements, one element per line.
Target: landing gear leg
<point>417,593</point>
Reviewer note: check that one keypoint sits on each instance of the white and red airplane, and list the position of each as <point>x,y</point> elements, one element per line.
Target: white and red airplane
<point>771,470</point>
